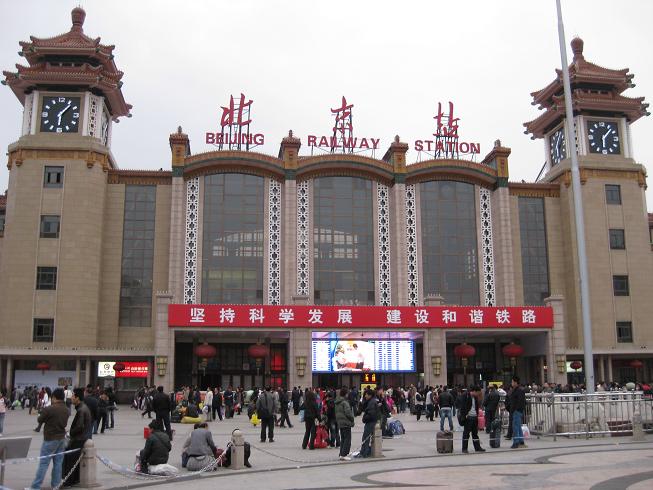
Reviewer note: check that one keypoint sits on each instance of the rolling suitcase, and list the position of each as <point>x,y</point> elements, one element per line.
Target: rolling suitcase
<point>444,442</point>
<point>495,433</point>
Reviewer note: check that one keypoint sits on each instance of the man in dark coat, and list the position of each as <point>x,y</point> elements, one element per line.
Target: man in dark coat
<point>157,446</point>
<point>517,407</point>
<point>80,430</point>
<point>370,419</point>
<point>295,397</point>
<point>490,405</point>
<point>162,408</point>
<point>469,406</point>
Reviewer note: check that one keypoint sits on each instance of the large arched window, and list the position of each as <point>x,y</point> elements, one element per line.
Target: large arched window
<point>343,235</point>
<point>449,247</point>
<point>232,252</point>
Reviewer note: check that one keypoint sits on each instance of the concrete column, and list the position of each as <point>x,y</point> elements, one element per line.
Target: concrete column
<point>177,239</point>
<point>88,372</point>
<point>601,368</point>
<point>300,345</point>
<point>9,380</point>
<point>78,373</point>
<point>164,345</point>
<point>504,256</point>
<point>435,345</point>
<point>288,240</point>
<point>1,367</point>
<point>398,245</point>
<point>609,373</point>
<point>556,338</point>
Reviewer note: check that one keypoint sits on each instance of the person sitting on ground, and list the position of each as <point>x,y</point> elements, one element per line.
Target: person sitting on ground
<point>157,447</point>
<point>191,414</point>
<point>199,449</point>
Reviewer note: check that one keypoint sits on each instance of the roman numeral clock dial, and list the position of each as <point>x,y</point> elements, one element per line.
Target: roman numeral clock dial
<point>60,114</point>
<point>603,137</point>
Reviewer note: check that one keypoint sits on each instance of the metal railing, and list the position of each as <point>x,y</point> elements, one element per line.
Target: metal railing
<point>606,413</point>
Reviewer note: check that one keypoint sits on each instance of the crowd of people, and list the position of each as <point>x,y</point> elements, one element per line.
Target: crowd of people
<point>328,416</point>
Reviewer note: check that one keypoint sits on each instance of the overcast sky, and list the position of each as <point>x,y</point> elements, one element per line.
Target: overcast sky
<point>393,60</point>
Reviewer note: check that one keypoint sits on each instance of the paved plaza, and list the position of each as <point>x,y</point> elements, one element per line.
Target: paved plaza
<point>409,461</point>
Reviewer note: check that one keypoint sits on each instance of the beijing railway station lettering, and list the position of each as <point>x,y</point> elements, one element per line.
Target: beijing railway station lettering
<point>397,317</point>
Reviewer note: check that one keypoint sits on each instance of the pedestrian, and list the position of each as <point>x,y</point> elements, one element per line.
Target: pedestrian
<point>208,405</point>
<point>147,404</point>
<point>3,411</point>
<point>490,405</point>
<point>283,408</point>
<point>199,449</point>
<point>419,404</point>
<point>508,407</point>
<point>54,418</point>
<point>265,409</point>
<point>345,421</point>
<point>517,407</point>
<point>331,422</point>
<point>162,408</point>
<point>111,407</point>
<point>102,411</point>
<point>469,407</point>
<point>428,401</point>
<point>445,400</point>
<point>296,395</point>
<point>44,401</point>
<point>370,418</point>
<point>311,413</point>
<point>92,402</point>
<point>228,403</point>
<point>216,404</point>
<point>80,430</point>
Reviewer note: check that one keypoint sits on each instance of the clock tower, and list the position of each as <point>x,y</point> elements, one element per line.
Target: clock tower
<point>55,233</point>
<point>613,194</point>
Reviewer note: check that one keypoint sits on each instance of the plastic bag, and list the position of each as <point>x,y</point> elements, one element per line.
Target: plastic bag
<point>526,431</point>
<point>255,420</point>
<point>301,415</point>
<point>163,470</point>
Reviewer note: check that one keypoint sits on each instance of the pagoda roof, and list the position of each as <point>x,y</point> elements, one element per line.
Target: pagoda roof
<point>71,58</point>
<point>595,89</point>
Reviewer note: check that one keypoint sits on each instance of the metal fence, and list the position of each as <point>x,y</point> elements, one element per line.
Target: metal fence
<point>581,414</point>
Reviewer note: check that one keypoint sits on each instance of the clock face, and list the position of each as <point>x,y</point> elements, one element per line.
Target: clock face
<point>603,137</point>
<point>60,114</point>
<point>558,146</point>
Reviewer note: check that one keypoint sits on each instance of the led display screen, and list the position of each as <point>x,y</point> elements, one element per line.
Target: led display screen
<point>357,356</point>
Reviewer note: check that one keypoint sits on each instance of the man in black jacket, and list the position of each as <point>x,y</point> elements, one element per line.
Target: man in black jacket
<point>295,397</point>
<point>517,407</point>
<point>157,446</point>
<point>162,408</point>
<point>469,407</point>
<point>446,402</point>
<point>80,429</point>
<point>92,402</point>
<point>490,405</point>
<point>370,418</point>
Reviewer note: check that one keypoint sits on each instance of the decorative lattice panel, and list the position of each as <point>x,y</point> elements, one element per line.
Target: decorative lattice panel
<point>190,256</point>
<point>303,207</point>
<point>411,247</point>
<point>383,224</point>
<point>274,243</point>
<point>487,247</point>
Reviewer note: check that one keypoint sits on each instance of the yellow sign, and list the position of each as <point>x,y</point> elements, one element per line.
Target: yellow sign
<point>369,378</point>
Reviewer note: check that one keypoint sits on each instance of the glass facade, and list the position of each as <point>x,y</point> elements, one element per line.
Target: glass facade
<point>137,256</point>
<point>343,235</point>
<point>449,246</point>
<point>232,253</point>
<point>534,259</point>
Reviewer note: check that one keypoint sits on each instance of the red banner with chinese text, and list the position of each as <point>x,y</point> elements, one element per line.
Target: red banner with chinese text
<point>134,370</point>
<point>400,317</point>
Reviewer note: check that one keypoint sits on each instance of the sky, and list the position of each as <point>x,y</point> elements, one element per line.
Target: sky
<point>296,59</point>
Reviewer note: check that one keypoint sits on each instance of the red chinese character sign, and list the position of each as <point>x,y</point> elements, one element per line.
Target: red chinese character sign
<point>400,317</point>
<point>446,143</point>
<point>343,139</point>
<point>235,126</point>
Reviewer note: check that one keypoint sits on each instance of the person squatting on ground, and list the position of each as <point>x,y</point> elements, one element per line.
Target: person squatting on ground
<point>157,447</point>
<point>54,418</point>
<point>469,407</point>
<point>199,449</point>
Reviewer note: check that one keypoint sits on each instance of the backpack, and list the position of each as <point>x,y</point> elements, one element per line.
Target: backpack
<point>264,411</point>
<point>396,427</point>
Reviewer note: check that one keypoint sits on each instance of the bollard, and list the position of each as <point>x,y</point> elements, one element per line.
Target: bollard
<point>377,442</point>
<point>237,450</point>
<point>638,430</point>
<point>88,467</point>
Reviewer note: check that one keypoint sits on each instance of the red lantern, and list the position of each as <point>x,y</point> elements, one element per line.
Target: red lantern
<point>43,366</point>
<point>512,350</point>
<point>257,351</point>
<point>576,365</point>
<point>637,364</point>
<point>464,350</point>
<point>205,351</point>
<point>118,367</point>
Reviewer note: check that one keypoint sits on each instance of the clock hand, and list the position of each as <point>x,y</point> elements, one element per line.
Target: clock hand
<point>606,135</point>
<point>62,113</point>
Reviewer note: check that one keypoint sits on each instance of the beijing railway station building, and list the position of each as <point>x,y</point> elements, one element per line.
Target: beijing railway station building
<point>232,267</point>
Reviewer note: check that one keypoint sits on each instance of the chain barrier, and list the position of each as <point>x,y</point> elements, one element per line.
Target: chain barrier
<point>315,461</point>
<point>136,475</point>
<point>34,458</point>
<point>72,470</point>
